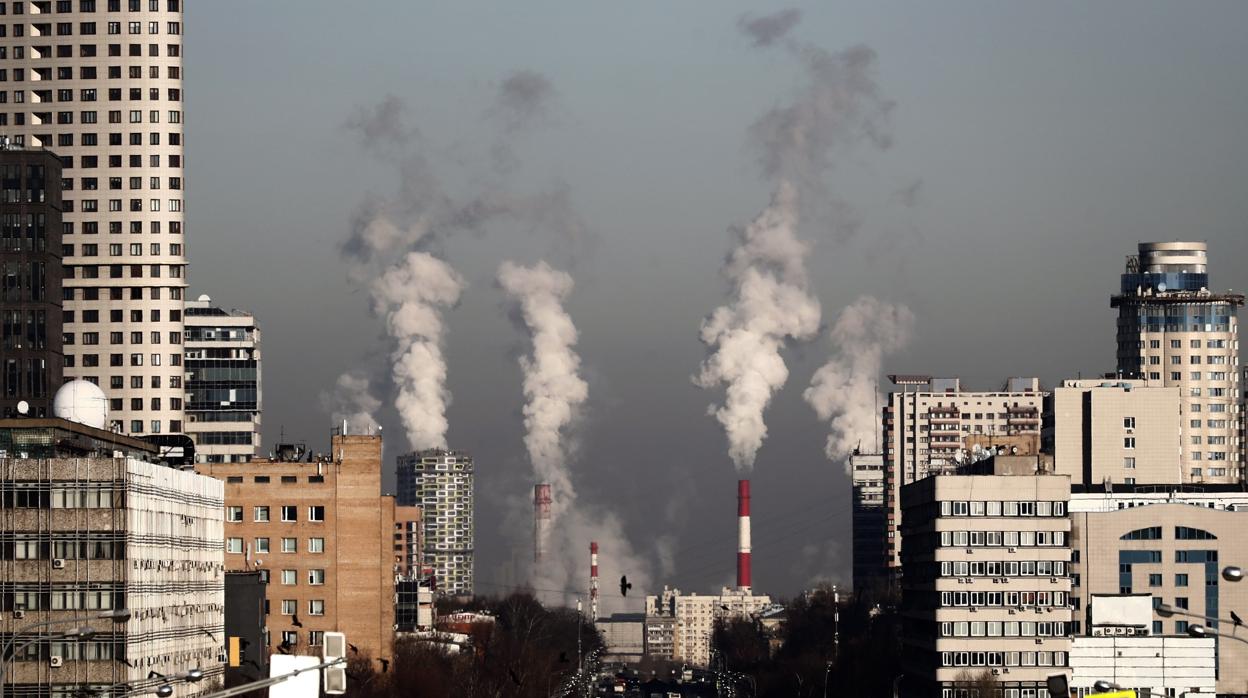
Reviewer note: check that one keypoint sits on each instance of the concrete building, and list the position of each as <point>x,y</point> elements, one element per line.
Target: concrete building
<point>1116,430</point>
<point>1171,544</point>
<point>89,526</point>
<point>441,484</point>
<point>101,84</point>
<point>1172,329</point>
<point>985,586</point>
<point>691,619</point>
<point>221,352</point>
<point>319,533</point>
<point>408,542</point>
<point>413,606</point>
<point>30,280</point>
<point>931,425</point>
<point>1121,649</point>
<point>869,521</point>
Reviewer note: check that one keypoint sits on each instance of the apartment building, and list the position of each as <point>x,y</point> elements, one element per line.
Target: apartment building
<point>1173,329</point>
<point>320,534</point>
<point>660,630</point>
<point>691,619</point>
<point>221,352</point>
<point>91,527</point>
<point>30,280</point>
<point>441,484</point>
<point>986,585</point>
<point>867,473</point>
<point>408,542</point>
<point>932,425</point>
<point>1115,430</point>
<point>100,83</point>
<point>1171,543</point>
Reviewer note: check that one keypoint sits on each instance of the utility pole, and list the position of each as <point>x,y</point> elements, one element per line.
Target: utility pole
<point>836,624</point>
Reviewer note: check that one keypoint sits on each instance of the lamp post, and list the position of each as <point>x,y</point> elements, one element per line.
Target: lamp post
<point>9,653</point>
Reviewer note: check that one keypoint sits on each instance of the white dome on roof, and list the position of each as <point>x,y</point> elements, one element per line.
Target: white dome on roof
<point>82,402</point>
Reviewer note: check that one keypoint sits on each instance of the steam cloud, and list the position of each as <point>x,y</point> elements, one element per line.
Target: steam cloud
<point>411,296</point>
<point>352,401</point>
<point>839,107</point>
<point>844,391</point>
<point>553,389</point>
<point>554,393</point>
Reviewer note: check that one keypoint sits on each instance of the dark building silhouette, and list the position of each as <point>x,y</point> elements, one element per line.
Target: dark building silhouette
<point>30,280</point>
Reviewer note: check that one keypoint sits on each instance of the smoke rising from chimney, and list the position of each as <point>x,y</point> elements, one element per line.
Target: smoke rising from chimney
<point>553,390</point>
<point>839,107</point>
<point>411,297</point>
<point>845,391</point>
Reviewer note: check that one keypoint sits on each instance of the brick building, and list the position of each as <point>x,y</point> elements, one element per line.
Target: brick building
<point>320,531</point>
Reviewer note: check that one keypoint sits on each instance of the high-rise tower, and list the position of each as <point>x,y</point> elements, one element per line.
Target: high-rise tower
<point>100,83</point>
<point>441,483</point>
<point>222,357</point>
<point>1172,328</point>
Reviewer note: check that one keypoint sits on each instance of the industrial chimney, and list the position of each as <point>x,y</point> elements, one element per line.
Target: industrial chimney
<point>541,521</point>
<point>743,535</point>
<point>593,582</point>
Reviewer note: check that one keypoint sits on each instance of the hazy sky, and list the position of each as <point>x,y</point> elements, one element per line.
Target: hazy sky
<point>1033,144</point>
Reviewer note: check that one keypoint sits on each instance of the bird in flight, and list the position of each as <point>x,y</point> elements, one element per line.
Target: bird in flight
<point>625,585</point>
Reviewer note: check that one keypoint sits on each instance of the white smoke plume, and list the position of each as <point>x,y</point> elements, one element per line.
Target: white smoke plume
<point>410,296</point>
<point>770,305</point>
<point>553,389</point>
<point>352,401</point>
<point>839,107</point>
<point>845,391</point>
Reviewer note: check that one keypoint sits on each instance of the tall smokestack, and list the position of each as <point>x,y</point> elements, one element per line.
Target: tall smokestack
<point>541,521</point>
<point>743,535</point>
<point>593,582</point>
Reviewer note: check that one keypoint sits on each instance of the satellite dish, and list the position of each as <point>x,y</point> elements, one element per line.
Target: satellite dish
<point>1161,287</point>
<point>23,408</point>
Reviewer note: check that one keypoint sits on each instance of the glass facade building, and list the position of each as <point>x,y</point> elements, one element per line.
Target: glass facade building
<point>222,359</point>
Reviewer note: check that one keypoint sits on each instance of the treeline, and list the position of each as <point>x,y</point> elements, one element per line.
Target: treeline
<point>794,662</point>
<point>526,653</point>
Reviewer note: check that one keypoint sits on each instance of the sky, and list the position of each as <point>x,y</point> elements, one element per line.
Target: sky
<point>1031,146</point>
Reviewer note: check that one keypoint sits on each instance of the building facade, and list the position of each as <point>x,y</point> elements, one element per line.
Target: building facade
<point>986,585</point>
<point>221,352</point>
<point>101,84</point>
<point>85,533</point>
<point>319,533</point>
<point>1173,329</point>
<point>931,426</point>
<point>1171,544</point>
<point>441,484</point>
<point>30,280</point>
<point>408,542</point>
<point>1115,430</point>
<point>694,616</point>
<point>869,521</point>
<point>660,630</point>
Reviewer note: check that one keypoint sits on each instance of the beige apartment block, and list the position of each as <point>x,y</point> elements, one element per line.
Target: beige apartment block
<point>321,532</point>
<point>931,426</point>
<point>1174,550</point>
<point>99,82</point>
<point>986,585</point>
<point>1115,430</point>
<point>1173,329</point>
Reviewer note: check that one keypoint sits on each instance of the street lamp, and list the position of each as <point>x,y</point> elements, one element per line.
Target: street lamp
<point>120,615</point>
<point>1232,573</point>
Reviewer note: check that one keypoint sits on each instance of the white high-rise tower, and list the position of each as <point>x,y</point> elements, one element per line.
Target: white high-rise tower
<point>99,82</point>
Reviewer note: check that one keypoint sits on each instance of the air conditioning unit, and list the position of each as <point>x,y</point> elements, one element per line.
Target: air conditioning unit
<point>55,661</point>
<point>1012,611</point>
<point>58,563</point>
<point>19,614</point>
<point>1012,550</point>
<point>996,672</point>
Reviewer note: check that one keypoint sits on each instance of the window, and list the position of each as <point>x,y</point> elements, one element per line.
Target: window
<point>1128,422</point>
<point>234,514</point>
<point>1186,533</point>
<point>316,545</point>
<point>290,545</point>
<point>290,513</point>
<point>261,513</point>
<point>1154,580</point>
<point>316,607</point>
<point>262,545</point>
<point>316,513</point>
<point>289,607</point>
<point>233,545</point>
<point>289,577</point>
<point>316,577</point>
<point>1128,442</point>
<point>290,638</point>
<point>1129,463</point>
<point>1180,580</point>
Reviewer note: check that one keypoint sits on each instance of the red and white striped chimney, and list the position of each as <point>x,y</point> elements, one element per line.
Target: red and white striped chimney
<point>593,582</point>
<point>743,535</point>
